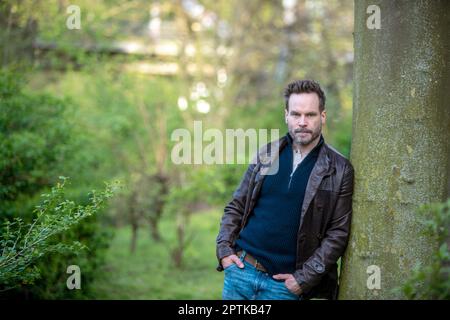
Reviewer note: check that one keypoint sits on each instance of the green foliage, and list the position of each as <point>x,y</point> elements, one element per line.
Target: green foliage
<point>209,186</point>
<point>34,139</point>
<point>340,135</point>
<point>432,281</point>
<point>149,272</point>
<point>40,140</point>
<point>23,244</point>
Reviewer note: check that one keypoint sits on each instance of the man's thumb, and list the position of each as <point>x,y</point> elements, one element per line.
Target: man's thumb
<point>238,262</point>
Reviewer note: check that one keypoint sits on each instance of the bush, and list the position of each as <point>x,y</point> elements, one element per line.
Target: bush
<point>38,142</point>
<point>22,245</point>
<point>34,143</point>
<point>432,281</point>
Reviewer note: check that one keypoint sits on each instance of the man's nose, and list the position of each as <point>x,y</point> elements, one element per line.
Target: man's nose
<point>302,121</point>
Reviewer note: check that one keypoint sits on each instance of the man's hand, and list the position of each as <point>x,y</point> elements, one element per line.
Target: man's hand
<point>289,282</point>
<point>229,260</point>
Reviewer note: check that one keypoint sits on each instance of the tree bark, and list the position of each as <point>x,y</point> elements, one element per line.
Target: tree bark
<point>401,135</point>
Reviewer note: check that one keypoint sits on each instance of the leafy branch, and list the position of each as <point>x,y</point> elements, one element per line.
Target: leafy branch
<point>55,215</point>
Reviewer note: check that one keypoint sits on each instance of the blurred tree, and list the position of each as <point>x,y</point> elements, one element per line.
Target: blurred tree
<point>18,30</point>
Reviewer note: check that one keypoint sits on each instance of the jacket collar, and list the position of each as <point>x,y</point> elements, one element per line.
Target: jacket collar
<point>268,157</point>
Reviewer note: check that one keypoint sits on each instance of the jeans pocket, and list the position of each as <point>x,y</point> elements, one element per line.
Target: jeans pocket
<point>288,293</point>
<point>294,295</point>
<point>229,267</point>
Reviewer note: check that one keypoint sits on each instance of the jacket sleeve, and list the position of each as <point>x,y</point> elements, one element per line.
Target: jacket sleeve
<point>335,239</point>
<point>232,218</point>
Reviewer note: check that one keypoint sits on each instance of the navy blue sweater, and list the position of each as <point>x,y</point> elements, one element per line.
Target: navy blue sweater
<point>270,234</point>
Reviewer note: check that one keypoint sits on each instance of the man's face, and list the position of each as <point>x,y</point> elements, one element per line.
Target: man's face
<point>303,118</point>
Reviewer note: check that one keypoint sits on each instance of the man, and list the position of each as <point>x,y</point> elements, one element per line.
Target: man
<point>282,233</point>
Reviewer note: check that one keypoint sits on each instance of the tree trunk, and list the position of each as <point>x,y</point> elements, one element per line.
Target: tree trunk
<point>134,219</point>
<point>134,236</point>
<point>162,183</point>
<point>401,135</point>
<point>154,231</point>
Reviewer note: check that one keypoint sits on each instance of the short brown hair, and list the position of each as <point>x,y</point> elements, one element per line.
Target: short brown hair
<point>304,86</point>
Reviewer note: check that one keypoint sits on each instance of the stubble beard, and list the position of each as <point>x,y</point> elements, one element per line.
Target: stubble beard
<point>298,140</point>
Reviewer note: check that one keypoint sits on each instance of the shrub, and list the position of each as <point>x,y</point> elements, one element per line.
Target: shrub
<point>23,245</point>
<point>432,281</point>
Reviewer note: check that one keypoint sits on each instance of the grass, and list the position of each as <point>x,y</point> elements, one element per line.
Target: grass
<point>149,272</point>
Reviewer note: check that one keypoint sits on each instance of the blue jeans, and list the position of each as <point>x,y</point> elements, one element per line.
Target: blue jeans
<point>251,284</point>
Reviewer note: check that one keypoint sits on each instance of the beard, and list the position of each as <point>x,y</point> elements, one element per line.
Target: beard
<point>307,138</point>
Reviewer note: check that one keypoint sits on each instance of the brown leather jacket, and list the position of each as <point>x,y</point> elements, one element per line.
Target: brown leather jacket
<point>324,222</point>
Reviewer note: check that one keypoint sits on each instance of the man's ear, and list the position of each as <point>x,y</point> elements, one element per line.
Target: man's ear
<point>285,115</point>
<point>324,117</point>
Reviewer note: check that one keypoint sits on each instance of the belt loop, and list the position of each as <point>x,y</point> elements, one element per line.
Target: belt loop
<point>243,253</point>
